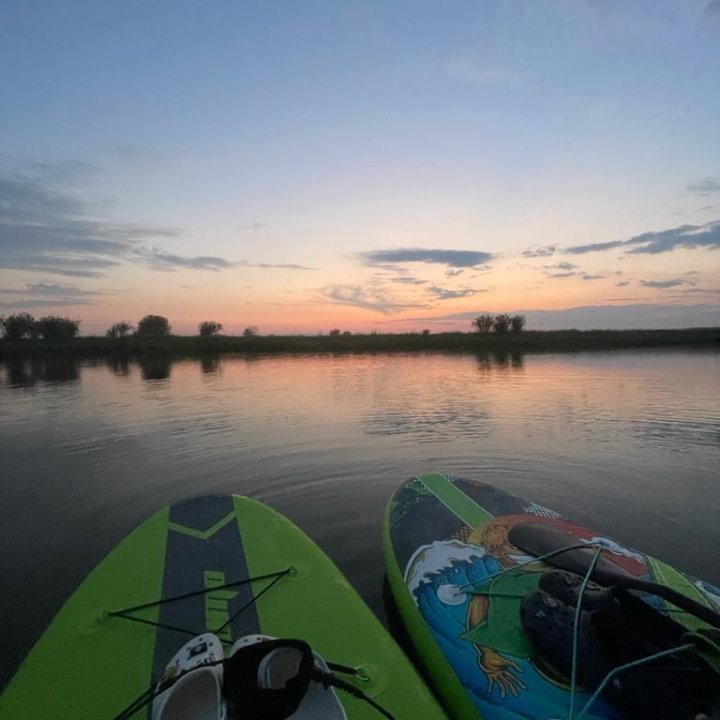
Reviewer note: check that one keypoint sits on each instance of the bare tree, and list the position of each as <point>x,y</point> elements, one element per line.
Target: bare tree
<point>120,330</point>
<point>483,323</point>
<point>208,328</point>
<point>501,323</point>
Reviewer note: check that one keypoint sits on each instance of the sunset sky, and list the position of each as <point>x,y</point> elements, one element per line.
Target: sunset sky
<point>361,164</point>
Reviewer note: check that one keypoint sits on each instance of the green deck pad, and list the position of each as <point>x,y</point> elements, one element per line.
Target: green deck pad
<point>668,575</point>
<point>455,499</point>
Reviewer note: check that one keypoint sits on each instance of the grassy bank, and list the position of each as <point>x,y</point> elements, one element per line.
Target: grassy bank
<point>527,341</point>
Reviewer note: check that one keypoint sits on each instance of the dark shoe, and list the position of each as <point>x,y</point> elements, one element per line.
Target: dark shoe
<point>565,587</point>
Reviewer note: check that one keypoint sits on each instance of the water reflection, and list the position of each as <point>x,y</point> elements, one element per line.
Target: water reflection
<point>502,361</point>
<point>26,372</point>
<point>155,367</point>
<point>119,365</point>
<point>210,363</point>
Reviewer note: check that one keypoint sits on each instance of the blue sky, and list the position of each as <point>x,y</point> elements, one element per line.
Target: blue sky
<point>303,166</point>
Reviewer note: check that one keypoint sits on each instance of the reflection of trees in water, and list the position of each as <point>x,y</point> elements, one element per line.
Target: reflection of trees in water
<point>155,367</point>
<point>210,362</point>
<point>26,372</point>
<point>502,361</point>
<point>119,365</point>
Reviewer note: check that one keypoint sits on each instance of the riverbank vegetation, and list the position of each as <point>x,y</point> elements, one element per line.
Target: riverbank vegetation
<point>344,342</point>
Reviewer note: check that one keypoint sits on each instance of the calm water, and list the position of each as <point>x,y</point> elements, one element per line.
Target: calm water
<point>627,442</point>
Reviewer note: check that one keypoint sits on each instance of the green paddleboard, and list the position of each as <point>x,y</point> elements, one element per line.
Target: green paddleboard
<point>91,663</point>
<point>444,538</point>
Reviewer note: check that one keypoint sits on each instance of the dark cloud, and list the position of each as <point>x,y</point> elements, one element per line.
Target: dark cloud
<point>588,276</point>
<point>363,297</point>
<point>45,230</point>
<point>706,186</point>
<point>593,247</point>
<point>712,9</point>
<point>446,294</point>
<point>454,273</point>
<point>652,243</point>
<point>685,236</point>
<point>451,258</point>
<point>662,284</point>
<point>540,251</point>
<point>560,266</point>
<point>622,283</point>
<point>561,274</point>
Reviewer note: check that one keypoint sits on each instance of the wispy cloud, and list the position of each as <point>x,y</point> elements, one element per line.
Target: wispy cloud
<point>42,294</point>
<point>280,266</point>
<point>712,9</point>
<point>42,289</point>
<point>408,281</point>
<point>662,284</point>
<point>440,293</point>
<point>652,243</point>
<point>540,251</point>
<point>706,186</point>
<point>158,259</point>
<point>559,270</point>
<point>589,276</point>
<point>451,258</point>
<point>367,298</point>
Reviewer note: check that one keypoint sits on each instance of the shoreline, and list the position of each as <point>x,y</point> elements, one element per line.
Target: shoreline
<point>529,341</point>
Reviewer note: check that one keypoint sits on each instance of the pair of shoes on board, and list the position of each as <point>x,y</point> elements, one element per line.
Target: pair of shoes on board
<point>263,678</point>
<point>615,627</point>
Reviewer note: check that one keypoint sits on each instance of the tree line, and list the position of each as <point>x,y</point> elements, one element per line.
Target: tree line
<point>50,327</point>
<point>23,326</point>
<point>500,323</point>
